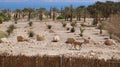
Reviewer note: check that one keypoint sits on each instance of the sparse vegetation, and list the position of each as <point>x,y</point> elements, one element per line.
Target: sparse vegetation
<point>3,34</point>
<point>15,20</point>
<point>73,24</point>
<point>31,34</point>
<point>30,23</point>
<point>101,26</point>
<point>1,20</point>
<point>81,31</point>
<point>72,29</point>
<point>113,26</point>
<point>95,22</point>
<point>60,17</point>
<point>77,25</point>
<point>68,28</point>
<point>10,29</point>
<point>49,26</point>
<point>64,24</point>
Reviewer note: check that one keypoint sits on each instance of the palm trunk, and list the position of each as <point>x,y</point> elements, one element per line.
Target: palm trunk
<point>53,16</point>
<point>79,17</point>
<point>29,16</point>
<point>71,17</point>
<point>41,17</point>
<point>84,18</point>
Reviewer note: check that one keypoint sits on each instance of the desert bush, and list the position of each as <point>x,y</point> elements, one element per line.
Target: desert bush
<point>82,24</point>
<point>81,31</point>
<point>15,20</point>
<point>5,17</point>
<point>113,26</point>
<point>64,24</point>
<point>1,20</point>
<point>101,27</point>
<point>95,21</point>
<point>3,34</point>
<point>30,23</point>
<point>51,31</point>
<point>73,24</point>
<point>31,34</point>
<point>60,17</point>
<point>72,29</point>
<point>10,29</point>
<point>49,26</point>
<point>68,28</point>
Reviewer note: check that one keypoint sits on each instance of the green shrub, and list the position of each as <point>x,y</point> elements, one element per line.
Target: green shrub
<point>3,34</point>
<point>72,29</point>
<point>1,20</point>
<point>95,22</point>
<point>64,24</point>
<point>30,23</point>
<point>15,20</point>
<point>10,29</point>
<point>4,17</point>
<point>68,28</point>
<point>7,18</point>
<point>49,26</point>
<point>31,34</point>
<point>73,24</point>
<point>60,17</point>
<point>81,31</point>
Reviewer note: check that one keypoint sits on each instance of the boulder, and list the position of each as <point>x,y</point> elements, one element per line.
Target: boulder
<point>109,42</point>
<point>21,39</point>
<point>70,40</point>
<point>56,38</point>
<point>51,31</point>
<point>87,40</point>
<point>40,37</point>
<point>4,40</point>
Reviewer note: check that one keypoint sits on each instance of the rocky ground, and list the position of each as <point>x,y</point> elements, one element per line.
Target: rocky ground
<point>47,47</point>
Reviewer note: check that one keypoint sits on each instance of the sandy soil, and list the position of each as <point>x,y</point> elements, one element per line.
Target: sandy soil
<point>47,47</point>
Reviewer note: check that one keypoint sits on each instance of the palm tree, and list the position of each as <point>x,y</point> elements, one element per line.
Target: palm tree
<point>79,12</point>
<point>41,12</point>
<point>84,13</point>
<point>54,10</point>
<point>29,12</point>
<point>5,14</point>
<point>71,13</point>
<point>66,13</point>
<point>50,13</point>
<point>17,14</point>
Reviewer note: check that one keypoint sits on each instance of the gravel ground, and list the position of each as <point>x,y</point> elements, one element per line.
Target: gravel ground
<point>47,47</point>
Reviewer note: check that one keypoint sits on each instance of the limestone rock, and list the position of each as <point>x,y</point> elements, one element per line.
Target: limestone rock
<point>70,40</point>
<point>109,42</point>
<point>56,38</point>
<point>40,37</point>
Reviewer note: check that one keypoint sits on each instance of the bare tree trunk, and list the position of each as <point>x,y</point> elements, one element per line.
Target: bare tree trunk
<point>53,16</point>
<point>41,17</point>
<point>29,16</point>
<point>71,17</point>
<point>84,18</point>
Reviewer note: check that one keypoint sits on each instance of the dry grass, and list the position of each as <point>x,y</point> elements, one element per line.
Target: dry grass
<point>113,26</point>
<point>55,61</point>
